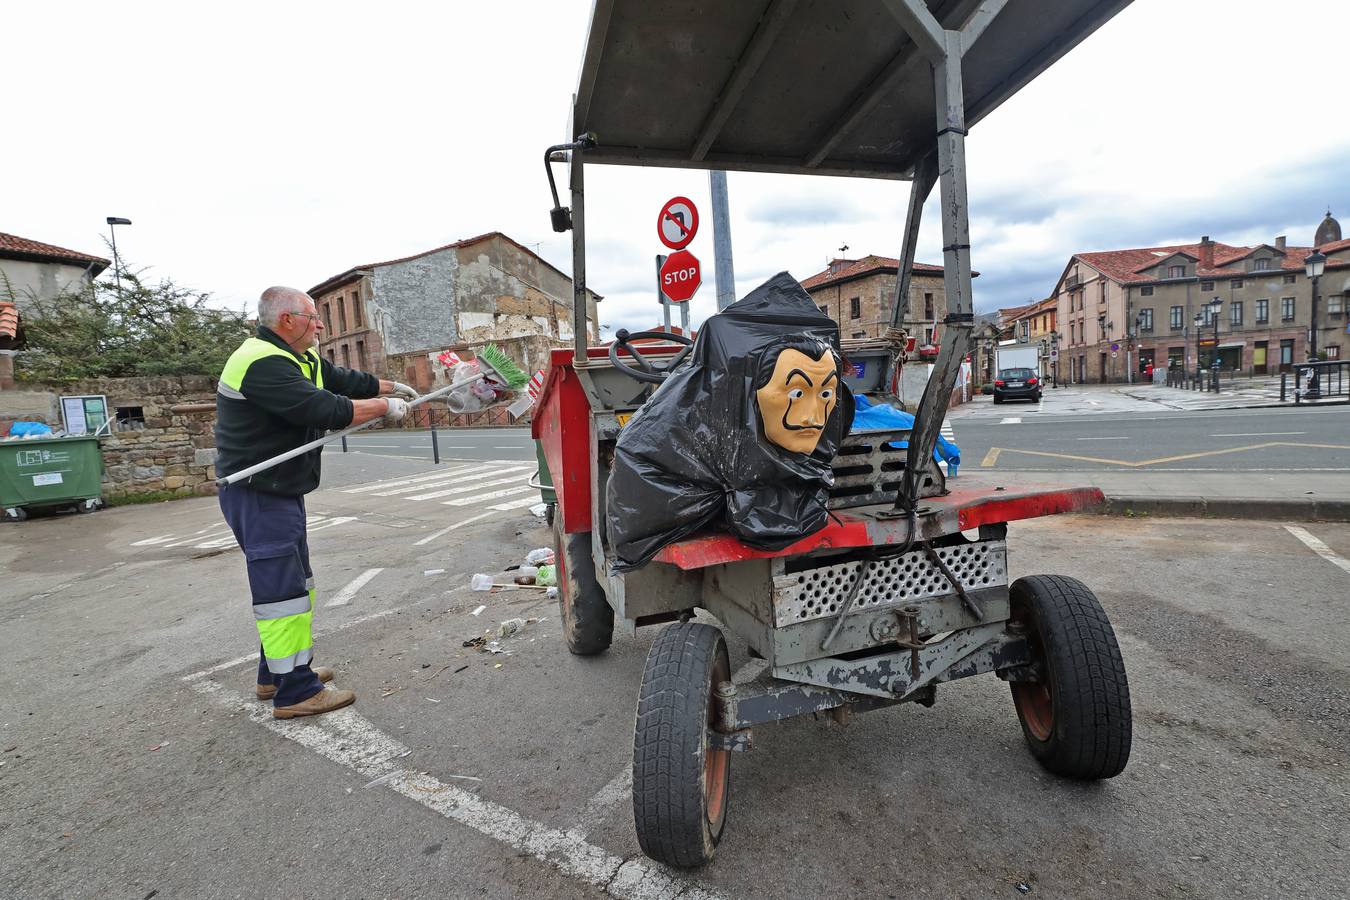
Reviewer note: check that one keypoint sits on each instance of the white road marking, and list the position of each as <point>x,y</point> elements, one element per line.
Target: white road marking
<point>1120,438</point>
<point>431,537</point>
<point>458,478</point>
<point>345,737</point>
<point>517,504</point>
<point>1013,420</point>
<point>481,498</point>
<point>509,448</point>
<point>1318,547</point>
<point>464,489</point>
<point>253,657</point>
<point>377,485</point>
<point>1259,434</point>
<point>344,596</point>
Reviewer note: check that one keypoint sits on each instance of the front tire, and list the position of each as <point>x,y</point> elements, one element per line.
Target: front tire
<point>1076,718</point>
<point>680,785</point>
<point>587,618</point>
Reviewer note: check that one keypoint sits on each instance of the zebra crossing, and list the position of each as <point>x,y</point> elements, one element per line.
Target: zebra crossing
<point>499,486</point>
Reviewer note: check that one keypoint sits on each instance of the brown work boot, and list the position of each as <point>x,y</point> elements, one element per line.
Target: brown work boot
<point>268,691</point>
<point>322,702</point>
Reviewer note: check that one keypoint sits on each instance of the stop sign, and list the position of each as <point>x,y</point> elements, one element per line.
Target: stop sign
<point>680,276</point>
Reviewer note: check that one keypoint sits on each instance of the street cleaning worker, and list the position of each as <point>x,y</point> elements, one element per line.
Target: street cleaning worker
<point>275,394</point>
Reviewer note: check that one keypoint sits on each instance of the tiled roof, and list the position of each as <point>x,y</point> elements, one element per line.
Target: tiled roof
<point>1127,266</point>
<point>856,268</point>
<point>354,271</point>
<point>9,320</point>
<point>14,247</point>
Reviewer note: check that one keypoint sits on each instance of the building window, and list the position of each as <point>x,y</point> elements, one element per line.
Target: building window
<point>1335,304</point>
<point>1290,279</point>
<point>1175,320</point>
<point>928,306</point>
<point>361,356</point>
<point>1146,291</point>
<point>927,337</point>
<point>859,334</point>
<point>346,355</point>
<point>1206,285</point>
<point>356,311</point>
<point>1286,309</point>
<point>1176,271</point>
<point>1262,312</point>
<point>1235,313</point>
<point>328,317</point>
<point>1235,284</point>
<point>1146,319</point>
<point>1260,265</point>
<point>1333,351</point>
<point>331,358</point>
<point>1287,352</point>
<point>855,308</point>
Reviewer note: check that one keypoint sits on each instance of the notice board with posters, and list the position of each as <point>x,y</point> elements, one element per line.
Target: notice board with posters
<point>84,415</point>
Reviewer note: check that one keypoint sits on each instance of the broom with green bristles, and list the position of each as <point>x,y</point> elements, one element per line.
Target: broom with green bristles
<point>493,365</point>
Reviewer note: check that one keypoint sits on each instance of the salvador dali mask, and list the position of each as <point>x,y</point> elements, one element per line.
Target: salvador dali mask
<point>797,401</point>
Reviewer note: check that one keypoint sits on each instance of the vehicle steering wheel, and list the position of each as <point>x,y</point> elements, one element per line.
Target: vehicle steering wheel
<point>652,373</point>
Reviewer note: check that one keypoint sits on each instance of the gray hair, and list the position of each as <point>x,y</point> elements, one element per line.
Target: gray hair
<point>276,301</point>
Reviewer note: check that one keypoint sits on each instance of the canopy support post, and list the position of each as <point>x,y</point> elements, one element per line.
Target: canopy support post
<point>580,332</point>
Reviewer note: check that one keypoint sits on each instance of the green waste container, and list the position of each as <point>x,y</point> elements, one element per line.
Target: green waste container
<point>50,472</point>
<point>544,482</point>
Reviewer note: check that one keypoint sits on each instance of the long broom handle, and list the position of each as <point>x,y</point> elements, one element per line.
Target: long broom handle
<point>328,438</point>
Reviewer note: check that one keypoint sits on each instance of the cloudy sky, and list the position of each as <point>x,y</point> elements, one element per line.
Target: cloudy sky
<point>259,143</point>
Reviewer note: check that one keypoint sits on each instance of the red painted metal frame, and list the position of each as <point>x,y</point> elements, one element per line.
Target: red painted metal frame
<point>964,508</point>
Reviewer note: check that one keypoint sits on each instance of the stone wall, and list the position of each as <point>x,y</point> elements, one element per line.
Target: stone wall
<point>171,448</point>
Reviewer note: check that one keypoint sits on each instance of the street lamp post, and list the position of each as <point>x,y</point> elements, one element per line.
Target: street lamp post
<point>113,222</point>
<point>1054,358</point>
<point>1313,265</point>
<point>1215,308</point>
<point>1199,322</point>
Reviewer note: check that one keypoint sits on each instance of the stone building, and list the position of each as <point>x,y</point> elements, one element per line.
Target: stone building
<point>33,271</point>
<point>857,294</point>
<point>1120,310</point>
<point>391,318</point>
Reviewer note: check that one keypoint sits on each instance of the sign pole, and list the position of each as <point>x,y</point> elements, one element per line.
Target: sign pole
<point>722,257</point>
<point>665,302</point>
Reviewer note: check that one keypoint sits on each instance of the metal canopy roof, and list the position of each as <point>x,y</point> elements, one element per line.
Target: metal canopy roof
<point>826,87</point>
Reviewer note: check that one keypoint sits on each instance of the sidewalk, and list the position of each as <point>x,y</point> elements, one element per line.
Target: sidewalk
<point>1306,496</point>
<point>1236,393</point>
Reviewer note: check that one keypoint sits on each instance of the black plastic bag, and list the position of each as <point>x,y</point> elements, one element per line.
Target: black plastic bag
<point>696,455</point>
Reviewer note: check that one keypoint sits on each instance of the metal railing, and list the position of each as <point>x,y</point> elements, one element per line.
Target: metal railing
<point>1317,381</point>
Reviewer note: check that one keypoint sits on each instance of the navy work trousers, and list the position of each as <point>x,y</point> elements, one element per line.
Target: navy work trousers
<point>262,523</point>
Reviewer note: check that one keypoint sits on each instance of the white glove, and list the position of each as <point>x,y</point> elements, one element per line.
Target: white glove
<point>402,390</point>
<point>397,410</point>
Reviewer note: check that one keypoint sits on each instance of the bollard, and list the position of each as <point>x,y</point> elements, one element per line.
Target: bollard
<point>1283,375</point>
<point>435,446</point>
<point>344,443</point>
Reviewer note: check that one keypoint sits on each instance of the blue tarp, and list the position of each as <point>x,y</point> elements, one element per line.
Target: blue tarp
<point>23,429</point>
<point>869,415</point>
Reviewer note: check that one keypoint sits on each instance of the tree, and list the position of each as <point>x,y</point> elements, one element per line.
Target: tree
<point>135,328</point>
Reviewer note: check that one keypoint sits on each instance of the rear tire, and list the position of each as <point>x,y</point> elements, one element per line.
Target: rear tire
<point>680,785</point>
<point>587,619</point>
<point>998,399</point>
<point>1077,719</point>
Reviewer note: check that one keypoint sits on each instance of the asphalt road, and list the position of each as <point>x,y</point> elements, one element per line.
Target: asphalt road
<point>134,762</point>
<point>458,443</point>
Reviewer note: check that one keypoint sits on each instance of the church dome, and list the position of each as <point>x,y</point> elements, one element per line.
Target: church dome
<point>1328,231</point>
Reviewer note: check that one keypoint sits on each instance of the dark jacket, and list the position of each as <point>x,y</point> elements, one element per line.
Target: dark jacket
<point>281,409</point>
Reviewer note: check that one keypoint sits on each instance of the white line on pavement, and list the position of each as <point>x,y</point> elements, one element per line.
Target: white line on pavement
<point>1259,434</point>
<point>1013,420</point>
<point>253,657</point>
<point>376,485</point>
<point>493,495</point>
<point>431,537</point>
<point>517,504</point>
<point>1318,547</point>
<point>517,476</point>
<point>1120,438</point>
<point>350,740</point>
<point>442,482</point>
<point>344,596</point>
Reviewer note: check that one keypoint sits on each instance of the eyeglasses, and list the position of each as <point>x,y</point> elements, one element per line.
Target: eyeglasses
<point>304,316</point>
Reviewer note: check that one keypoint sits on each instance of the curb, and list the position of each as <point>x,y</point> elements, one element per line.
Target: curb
<point>1228,508</point>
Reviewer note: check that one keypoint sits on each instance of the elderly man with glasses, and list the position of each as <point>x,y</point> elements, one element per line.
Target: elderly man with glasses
<point>275,394</point>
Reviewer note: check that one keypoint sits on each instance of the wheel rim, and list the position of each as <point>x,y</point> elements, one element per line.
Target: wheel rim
<point>1036,707</point>
<point>716,763</point>
<point>1035,700</point>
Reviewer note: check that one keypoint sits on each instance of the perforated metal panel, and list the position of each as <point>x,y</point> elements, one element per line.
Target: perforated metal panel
<point>817,593</point>
<point>868,467</point>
